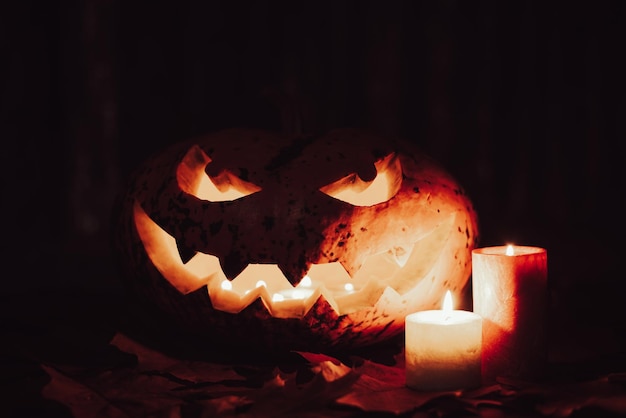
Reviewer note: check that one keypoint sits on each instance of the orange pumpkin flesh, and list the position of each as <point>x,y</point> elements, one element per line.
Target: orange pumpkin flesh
<point>314,242</point>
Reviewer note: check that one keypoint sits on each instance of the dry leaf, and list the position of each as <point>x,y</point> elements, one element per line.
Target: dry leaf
<point>562,400</point>
<point>152,388</point>
<point>330,368</point>
<point>382,388</point>
<point>317,357</point>
<point>286,397</point>
<point>82,401</point>
<point>614,404</point>
<point>381,377</point>
<point>185,371</point>
<point>396,401</point>
<point>226,405</point>
<point>157,385</point>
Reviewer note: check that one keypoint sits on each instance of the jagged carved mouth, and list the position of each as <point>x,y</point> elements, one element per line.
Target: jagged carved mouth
<point>393,273</point>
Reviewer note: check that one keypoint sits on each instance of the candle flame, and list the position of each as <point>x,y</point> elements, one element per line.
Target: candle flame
<point>226,285</point>
<point>447,302</point>
<point>509,250</point>
<point>261,283</point>
<point>349,287</point>
<point>277,297</point>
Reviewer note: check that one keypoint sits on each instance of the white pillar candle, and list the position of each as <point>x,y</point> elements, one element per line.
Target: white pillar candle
<point>510,293</point>
<point>443,349</point>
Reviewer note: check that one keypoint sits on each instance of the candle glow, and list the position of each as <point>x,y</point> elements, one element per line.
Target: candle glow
<point>306,281</point>
<point>510,293</point>
<point>443,348</point>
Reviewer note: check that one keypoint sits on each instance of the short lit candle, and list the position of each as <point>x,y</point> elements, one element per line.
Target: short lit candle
<point>510,293</point>
<point>289,302</point>
<point>443,349</point>
<point>228,296</point>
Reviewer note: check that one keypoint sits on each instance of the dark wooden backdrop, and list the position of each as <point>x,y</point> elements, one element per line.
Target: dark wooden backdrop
<point>525,102</point>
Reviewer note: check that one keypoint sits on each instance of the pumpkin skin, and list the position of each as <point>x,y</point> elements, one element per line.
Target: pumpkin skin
<point>399,252</point>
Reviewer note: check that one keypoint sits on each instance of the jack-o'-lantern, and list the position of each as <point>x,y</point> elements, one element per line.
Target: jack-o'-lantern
<point>298,242</point>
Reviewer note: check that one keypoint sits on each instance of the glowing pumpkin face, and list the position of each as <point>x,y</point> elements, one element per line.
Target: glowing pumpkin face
<point>311,242</point>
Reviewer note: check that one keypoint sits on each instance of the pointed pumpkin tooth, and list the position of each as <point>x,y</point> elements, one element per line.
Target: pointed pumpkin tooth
<point>351,267</point>
<point>233,265</point>
<point>401,253</point>
<point>185,252</point>
<point>323,313</point>
<point>294,272</point>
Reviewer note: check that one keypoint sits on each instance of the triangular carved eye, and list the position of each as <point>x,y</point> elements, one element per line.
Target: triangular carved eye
<point>225,186</point>
<point>352,189</point>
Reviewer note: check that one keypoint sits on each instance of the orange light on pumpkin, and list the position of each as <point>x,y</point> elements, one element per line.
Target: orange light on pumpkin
<point>226,210</point>
<point>224,187</point>
<point>162,250</point>
<point>360,193</point>
<point>364,289</point>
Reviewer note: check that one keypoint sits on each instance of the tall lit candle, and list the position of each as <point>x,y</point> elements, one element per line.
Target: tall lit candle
<point>443,349</point>
<point>510,293</point>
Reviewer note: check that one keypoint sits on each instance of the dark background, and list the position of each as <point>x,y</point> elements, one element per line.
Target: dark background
<point>524,102</point>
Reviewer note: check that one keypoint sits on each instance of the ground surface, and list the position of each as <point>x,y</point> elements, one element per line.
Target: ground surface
<point>87,353</point>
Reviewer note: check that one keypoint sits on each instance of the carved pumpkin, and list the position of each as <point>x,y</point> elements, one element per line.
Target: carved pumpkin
<point>302,243</point>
